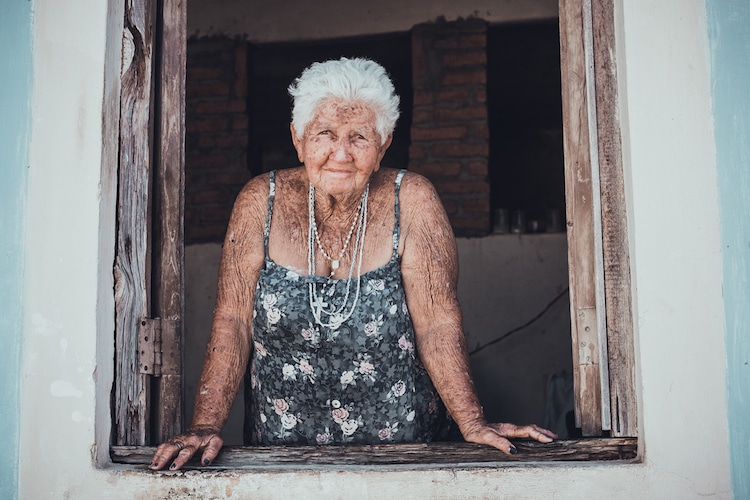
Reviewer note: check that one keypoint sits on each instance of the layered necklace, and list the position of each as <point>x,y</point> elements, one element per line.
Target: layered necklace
<point>321,301</point>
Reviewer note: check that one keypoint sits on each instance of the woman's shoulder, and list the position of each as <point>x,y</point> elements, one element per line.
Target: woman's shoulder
<point>418,200</point>
<point>424,221</point>
<point>417,192</point>
<point>255,191</point>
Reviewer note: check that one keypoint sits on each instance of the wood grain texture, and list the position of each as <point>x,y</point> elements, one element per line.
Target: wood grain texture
<point>132,260</point>
<point>614,394</point>
<point>453,455</point>
<point>580,220</point>
<point>621,348</point>
<point>168,227</point>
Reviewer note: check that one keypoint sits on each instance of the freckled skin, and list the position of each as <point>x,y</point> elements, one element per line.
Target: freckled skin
<point>341,152</point>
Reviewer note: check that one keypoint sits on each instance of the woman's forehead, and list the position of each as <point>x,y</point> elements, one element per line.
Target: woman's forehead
<point>342,113</point>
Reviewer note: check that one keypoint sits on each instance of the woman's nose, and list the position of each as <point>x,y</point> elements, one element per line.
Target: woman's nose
<point>342,150</point>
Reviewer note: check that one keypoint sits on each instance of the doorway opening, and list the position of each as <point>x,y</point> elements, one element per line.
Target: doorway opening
<point>512,286</point>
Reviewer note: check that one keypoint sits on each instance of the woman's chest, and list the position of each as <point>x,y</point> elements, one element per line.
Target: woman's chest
<point>296,241</point>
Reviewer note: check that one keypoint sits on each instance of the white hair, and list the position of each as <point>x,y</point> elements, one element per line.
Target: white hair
<point>356,80</point>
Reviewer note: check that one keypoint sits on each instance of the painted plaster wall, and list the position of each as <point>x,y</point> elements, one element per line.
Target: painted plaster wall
<point>676,261</point>
<point>673,209</point>
<point>728,23</point>
<point>68,286</point>
<point>261,21</point>
<point>505,280</point>
<point>15,92</point>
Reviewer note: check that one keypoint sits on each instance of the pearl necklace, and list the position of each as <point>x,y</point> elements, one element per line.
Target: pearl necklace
<point>335,262</point>
<point>318,305</point>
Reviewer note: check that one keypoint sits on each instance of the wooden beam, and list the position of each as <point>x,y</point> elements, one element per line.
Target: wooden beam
<point>416,456</point>
<point>579,204</point>
<point>596,205</point>
<point>621,348</point>
<point>169,188</point>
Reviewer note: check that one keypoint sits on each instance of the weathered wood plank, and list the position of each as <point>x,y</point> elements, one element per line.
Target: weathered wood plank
<point>132,261</point>
<point>580,216</point>
<point>457,454</point>
<point>169,188</point>
<point>614,228</point>
<point>596,205</point>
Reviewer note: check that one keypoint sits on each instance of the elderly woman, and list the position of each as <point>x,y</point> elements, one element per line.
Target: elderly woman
<point>338,284</point>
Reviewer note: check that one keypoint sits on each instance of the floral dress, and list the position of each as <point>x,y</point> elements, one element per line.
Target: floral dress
<point>360,382</point>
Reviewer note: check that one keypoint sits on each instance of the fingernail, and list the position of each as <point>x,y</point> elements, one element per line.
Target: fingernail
<point>513,450</point>
<point>173,467</point>
<point>206,461</point>
<point>152,464</point>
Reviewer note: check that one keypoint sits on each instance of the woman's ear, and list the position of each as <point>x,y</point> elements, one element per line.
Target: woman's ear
<point>297,144</point>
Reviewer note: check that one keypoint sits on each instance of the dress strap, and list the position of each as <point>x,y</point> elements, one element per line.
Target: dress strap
<point>397,212</point>
<point>271,196</point>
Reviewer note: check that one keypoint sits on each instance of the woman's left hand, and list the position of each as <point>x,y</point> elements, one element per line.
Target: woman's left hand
<point>496,435</point>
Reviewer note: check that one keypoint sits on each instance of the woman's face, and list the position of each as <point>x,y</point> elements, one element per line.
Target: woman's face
<point>341,148</point>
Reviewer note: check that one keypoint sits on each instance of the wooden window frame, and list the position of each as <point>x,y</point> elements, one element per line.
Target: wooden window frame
<point>598,251</point>
<point>149,259</point>
<point>149,305</point>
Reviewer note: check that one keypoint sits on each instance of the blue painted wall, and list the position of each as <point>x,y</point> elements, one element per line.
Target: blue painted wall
<point>15,91</point>
<point>729,38</point>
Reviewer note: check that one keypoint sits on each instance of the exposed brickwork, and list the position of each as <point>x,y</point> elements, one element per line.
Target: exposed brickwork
<point>450,135</point>
<point>216,135</point>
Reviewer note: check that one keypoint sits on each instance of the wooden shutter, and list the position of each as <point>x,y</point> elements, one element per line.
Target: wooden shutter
<point>599,267</point>
<point>149,255</point>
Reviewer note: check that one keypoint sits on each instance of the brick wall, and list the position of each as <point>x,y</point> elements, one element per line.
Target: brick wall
<point>216,164</point>
<point>450,133</point>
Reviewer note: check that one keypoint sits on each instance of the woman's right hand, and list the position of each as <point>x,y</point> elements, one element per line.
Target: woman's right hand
<point>181,448</point>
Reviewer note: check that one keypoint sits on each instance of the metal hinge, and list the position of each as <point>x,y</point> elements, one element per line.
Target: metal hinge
<point>158,352</point>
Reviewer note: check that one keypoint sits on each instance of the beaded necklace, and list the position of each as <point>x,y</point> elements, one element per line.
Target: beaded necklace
<point>335,262</point>
<point>318,303</point>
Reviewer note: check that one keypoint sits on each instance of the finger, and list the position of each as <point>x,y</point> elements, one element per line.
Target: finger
<point>182,458</point>
<point>164,454</point>
<point>499,442</point>
<point>491,437</point>
<point>537,433</point>
<point>525,431</point>
<point>211,450</point>
<point>545,432</point>
<point>541,437</point>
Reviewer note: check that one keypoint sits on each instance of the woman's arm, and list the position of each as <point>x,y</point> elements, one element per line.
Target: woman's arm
<point>430,272</point>
<point>229,345</point>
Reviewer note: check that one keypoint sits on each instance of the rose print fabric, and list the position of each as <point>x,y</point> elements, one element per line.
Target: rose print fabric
<point>361,382</point>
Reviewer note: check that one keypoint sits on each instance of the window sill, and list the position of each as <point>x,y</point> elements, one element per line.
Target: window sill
<point>403,456</point>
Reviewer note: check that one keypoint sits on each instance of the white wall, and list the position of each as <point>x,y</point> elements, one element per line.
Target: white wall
<point>262,21</point>
<point>68,286</point>
<point>671,194</point>
<point>675,238</point>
